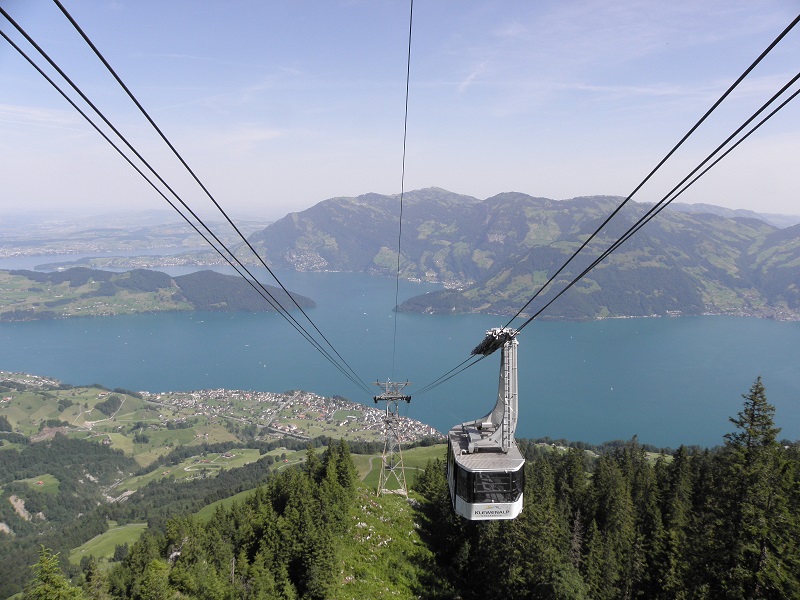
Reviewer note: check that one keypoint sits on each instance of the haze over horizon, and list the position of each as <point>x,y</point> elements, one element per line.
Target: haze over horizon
<point>278,106</point>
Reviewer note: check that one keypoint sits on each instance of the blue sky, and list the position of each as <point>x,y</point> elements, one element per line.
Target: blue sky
<point>279,105</point>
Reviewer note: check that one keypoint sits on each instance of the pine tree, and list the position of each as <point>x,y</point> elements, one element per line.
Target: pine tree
<point>96,586</point>
<point>348,477</point>
<point>757,532</point>
<point>446,530</point>
<point>614,514</point>
<point>49,582</point>
<point>757,432</point>
<point>644,556</point>
<point>154,584</point>
<point>313,466</point>
<point>599,578</point>
<point>259,579</point>
<point>671,569</point>
<point>544,539</point>
<point>320,562</point>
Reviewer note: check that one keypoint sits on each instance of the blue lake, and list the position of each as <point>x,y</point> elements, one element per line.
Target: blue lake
<point>669,381</point>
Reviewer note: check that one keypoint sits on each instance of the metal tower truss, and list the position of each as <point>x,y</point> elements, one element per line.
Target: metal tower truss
<point>393,477</point>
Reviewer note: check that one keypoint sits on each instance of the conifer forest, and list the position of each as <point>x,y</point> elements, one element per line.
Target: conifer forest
<point>621,524</point>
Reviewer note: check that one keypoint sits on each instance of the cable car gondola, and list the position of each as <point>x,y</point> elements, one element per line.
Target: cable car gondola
<point>484,466</point>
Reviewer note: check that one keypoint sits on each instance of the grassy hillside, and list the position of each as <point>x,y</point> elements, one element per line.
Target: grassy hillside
<point>103,545</point>
<point>389,559</point>
<point>414,460</point>
<point>149,426</point>
<point>82,467</point>
<point>80,292</point>
<point>86,467</point>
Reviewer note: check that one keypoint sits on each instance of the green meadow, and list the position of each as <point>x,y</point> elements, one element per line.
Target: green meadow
<point>103,545</point>
<point>43,483</point>
<point>414,460</point>
<point>194,467</point>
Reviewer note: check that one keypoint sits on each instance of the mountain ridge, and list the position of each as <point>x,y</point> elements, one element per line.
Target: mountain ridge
<point>492,255</point>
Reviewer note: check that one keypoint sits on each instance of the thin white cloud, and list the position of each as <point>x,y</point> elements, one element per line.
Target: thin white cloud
<point>150,56</point>
<point>469,79</point>
<point>511,30</point>
<point>248,137</point>
<point>35,116</point>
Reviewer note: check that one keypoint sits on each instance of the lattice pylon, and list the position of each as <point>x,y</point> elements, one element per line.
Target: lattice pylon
<point>392,478</point>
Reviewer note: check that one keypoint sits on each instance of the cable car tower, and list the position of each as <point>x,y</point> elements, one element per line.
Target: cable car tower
<point>392,460</point>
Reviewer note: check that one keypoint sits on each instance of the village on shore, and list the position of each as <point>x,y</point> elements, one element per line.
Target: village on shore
<point>295,413</point>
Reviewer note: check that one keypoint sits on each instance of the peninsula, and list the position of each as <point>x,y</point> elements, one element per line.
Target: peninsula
<point>82,292</point>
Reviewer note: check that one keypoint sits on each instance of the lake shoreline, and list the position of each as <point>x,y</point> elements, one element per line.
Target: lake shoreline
<point>670,381</point>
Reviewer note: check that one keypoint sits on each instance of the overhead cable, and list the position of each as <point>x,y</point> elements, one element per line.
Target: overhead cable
<point>259,289</point>
<point>653,212</point>
<point>402,189</point>
<point>679,189</point>
<point>252,280</point>
<point>660,164</point>
<point>200,183</point>
<point>463,366</point>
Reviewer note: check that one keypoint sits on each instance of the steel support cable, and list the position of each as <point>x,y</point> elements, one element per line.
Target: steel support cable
<point>654,211</point>
<point>278,308</point>
<point>661,163</point>
<point>678,190</point>
<point>113,145</point>
<point>717,160</point>
<point>747,71</point>
<point>440,379</point>
<point>281,309</point>
<point>402,188</point>
<point>675,193</point>
<point>113,128</point>
<point>263,291</point>
<point>451,373</point>
<point>202,186</point>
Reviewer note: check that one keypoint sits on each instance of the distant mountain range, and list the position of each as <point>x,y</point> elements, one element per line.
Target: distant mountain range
<point>32,234</point>
<point>493,255</point>
<point>779,221</point>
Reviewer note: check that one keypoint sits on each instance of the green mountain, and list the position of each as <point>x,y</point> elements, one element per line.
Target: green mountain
<point>493,255</point>
<point>29,295</point>
<point>619,523</point>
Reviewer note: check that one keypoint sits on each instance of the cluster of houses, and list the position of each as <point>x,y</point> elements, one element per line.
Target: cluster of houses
<point>285,412</point>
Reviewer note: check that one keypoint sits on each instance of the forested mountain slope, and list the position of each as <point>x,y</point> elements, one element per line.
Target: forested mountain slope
<point>494,254</point>
<point>718,523</point>
<point>49,495</point>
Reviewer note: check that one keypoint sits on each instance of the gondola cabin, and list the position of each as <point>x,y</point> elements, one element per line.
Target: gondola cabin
<point>484,485</point>
<point>485,469</point>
